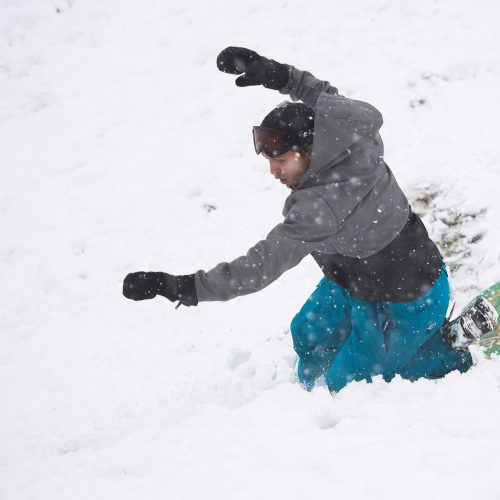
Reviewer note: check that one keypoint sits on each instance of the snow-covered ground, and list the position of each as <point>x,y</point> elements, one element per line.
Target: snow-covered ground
<point>122,148</point>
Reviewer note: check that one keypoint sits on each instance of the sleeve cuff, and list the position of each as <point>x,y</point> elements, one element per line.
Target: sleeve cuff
<point>186,290</point>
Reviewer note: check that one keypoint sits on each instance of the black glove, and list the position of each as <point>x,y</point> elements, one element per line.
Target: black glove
<point>257,70</point>
<point>141,286</point>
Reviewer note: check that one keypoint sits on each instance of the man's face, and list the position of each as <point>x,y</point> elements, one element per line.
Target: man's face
<point>289,167</point>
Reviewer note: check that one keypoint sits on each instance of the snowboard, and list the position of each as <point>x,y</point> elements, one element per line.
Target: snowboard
<point>491,341</point>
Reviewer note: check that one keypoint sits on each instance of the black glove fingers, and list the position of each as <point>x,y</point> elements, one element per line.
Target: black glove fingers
<point>139,286</point>
<point>235,60</point>
<point>257,70</point>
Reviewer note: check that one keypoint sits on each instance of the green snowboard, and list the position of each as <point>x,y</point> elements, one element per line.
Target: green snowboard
<point>491,341</point>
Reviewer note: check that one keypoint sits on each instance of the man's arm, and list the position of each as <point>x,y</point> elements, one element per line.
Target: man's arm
<point>303,86</point>
<point>308,223</point>
<point>339,121</point>
<point>324,98</point>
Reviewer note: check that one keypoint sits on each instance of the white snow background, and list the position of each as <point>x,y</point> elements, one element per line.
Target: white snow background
<point>122,148</point>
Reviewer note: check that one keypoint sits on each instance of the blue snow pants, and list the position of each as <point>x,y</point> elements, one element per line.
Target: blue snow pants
<point>345,338</point>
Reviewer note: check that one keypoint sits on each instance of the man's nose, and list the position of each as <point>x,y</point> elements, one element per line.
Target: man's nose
<point>274,169</point>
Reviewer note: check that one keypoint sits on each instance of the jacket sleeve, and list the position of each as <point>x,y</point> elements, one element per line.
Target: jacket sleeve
<point>339,121</point>
<point>307,224</point>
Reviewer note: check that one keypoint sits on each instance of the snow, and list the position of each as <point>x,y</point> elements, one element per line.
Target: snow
<point>124,149</point>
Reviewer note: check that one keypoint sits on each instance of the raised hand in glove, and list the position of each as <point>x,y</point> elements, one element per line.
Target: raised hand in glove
<point>257,70</point>
<point>142,286</point>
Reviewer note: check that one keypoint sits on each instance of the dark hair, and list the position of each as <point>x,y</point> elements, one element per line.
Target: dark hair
<point>296,120</point>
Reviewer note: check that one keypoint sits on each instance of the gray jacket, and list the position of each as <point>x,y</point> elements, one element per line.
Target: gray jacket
<point>347,203</point>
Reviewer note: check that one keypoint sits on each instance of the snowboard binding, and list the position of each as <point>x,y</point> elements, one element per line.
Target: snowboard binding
<point>477,319</point>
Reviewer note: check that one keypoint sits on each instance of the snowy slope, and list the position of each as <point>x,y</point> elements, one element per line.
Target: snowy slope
<point>123,148</point>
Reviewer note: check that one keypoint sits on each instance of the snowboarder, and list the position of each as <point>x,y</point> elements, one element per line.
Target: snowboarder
<point>381,306</point>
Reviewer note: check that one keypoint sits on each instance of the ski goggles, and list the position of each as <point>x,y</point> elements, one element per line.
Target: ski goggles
<point>270,141</point>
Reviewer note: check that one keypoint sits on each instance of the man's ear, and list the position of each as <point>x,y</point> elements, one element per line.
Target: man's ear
<point>307,152</point>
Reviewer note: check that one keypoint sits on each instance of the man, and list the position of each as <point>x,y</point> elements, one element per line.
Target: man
<point>381,305</point>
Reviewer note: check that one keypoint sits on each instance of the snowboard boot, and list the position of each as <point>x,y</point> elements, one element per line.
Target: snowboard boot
<point>479,318</point>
